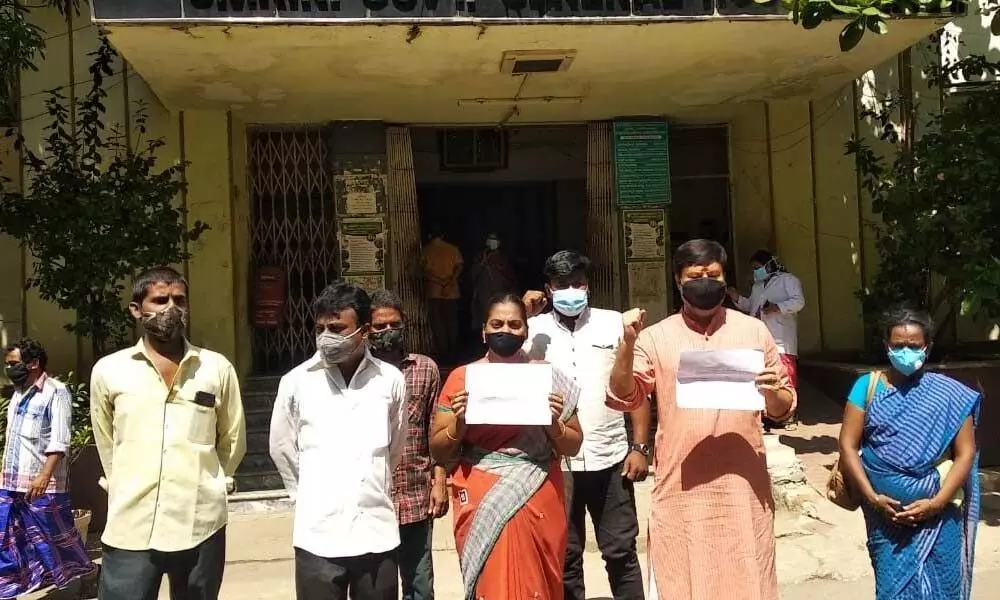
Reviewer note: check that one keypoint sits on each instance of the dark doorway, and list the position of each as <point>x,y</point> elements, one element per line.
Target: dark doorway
<point>524,216</point>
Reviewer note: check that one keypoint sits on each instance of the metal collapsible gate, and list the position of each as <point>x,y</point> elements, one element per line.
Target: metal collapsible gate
<point>293,228</point>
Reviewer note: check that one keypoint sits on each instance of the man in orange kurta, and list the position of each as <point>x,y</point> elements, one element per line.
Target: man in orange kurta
<point>711,531</point>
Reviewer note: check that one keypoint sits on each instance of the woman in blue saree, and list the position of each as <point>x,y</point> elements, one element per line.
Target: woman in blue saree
<point>915,432</point>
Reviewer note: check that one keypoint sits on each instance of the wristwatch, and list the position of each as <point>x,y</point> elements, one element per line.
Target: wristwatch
<point>642,449</point>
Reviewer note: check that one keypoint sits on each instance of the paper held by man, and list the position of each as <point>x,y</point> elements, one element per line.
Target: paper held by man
<point>513,394</point>
<point>720,379</point>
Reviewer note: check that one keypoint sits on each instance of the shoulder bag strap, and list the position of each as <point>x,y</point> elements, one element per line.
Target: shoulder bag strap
<point>873,378</point>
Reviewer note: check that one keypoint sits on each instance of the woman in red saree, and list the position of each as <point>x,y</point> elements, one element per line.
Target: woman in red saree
<point>507,489</point>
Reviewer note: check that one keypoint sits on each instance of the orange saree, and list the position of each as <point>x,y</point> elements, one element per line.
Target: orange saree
<point>509,509</point>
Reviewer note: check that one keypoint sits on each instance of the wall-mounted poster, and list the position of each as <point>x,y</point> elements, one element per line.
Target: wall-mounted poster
<point>362,246</point>
<point>645,235</point>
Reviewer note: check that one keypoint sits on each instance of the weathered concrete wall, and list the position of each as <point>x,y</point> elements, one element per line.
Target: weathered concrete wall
<point>790,140</point>
<point>11,256</point>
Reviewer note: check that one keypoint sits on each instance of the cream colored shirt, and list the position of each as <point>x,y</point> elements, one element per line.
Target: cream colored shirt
<point>166,449</point>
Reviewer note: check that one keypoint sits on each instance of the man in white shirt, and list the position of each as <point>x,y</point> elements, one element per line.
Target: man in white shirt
<point>337,432</point>
<point>582,341</point>
<point>776,299</point>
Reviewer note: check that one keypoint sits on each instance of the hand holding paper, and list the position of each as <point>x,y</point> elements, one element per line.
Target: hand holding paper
<point>723,379</point>
<point>508,394</point>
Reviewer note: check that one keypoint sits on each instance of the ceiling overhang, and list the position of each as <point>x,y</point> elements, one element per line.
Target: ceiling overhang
<point>452,73</point>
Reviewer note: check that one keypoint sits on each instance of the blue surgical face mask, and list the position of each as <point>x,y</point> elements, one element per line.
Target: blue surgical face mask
<point>907,360</point>
<point>569,302</point>
<point>760,274</point>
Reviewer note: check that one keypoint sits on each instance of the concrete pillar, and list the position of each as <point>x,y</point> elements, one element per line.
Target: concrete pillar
<point>206,147</point>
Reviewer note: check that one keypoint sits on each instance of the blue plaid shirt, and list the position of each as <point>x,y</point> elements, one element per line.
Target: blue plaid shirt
<point>38,424</point>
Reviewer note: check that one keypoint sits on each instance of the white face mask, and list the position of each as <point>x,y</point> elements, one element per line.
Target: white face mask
<point>492,244</point>
<point>335,348</point>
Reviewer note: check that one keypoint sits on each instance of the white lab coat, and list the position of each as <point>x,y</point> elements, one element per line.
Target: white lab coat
<point>784,290</point>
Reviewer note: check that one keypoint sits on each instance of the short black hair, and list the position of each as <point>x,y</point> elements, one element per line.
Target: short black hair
<point>31,350</point>
<point>762,256</point>
<point>565,263</point>
<point>698,252</point>
<point>904,315</point>
<point>151,277</point>
<point>383,298</point>
<point>341,295</point>
<point>507,298</point>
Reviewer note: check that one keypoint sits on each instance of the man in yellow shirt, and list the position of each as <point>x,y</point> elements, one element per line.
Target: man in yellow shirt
<point>169,426</point>
<point>442,268</point>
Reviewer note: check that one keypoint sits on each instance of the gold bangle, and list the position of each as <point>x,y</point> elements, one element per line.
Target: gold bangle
<point>447,432</point>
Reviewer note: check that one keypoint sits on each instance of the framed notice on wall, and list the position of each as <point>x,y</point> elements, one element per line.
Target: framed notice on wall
<point>644,237</point>
<point>642,163</point>
<point>363,251</point>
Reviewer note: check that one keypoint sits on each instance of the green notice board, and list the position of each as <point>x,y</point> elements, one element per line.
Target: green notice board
<point>642,163</point>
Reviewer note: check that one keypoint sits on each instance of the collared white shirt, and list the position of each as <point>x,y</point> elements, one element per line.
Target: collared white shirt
<point>587,354</point>
<point>166,447</point>
<point>38,424</point>
<point>784,290</point>
<point>336,444</point>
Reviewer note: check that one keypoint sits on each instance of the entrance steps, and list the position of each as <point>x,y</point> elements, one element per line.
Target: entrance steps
<point>257,473</point>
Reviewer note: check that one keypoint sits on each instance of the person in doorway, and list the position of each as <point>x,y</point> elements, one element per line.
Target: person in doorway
<point>39,544</point>
<point>169,427</point>
<point>582,340</point>
<point>507,489</point>
<point>711,528</point>
<point>908,444</point>
<point>491,276</point>
<point>337,432</point>
<point>442,263</point>
<point>419,487</point>
<point>776,299</point>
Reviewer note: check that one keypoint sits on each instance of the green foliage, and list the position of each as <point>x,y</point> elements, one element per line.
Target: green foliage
<point>81,431</point>
<point>871,16</point>
<point>22,43</point>
<point>97,210</point>
<point>939,237</point>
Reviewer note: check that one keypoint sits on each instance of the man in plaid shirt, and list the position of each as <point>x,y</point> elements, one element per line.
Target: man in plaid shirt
<point>419,486</point>
<point>39,543</point>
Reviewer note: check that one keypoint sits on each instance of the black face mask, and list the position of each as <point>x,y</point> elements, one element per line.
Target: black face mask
<point>504,344</point>
<point>704,293</point>
<point>388,342</point>
<point>18,374</point>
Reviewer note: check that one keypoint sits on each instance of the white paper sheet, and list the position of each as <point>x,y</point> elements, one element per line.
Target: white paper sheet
<point>508,394</point>
<point>720,379</point>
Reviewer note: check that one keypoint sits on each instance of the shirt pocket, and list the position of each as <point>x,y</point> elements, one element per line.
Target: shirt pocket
<point>33,423</point>
<point>197,423</point>
<point>373,425</point>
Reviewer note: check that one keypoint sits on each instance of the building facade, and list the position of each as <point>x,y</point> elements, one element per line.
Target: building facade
<point>324,138</point>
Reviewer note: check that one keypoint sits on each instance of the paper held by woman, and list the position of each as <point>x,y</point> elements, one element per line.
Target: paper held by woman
<point>720,379</point>
<point>508,394</point>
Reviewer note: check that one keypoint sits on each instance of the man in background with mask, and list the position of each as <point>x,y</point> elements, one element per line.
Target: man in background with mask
<point>582,341</point>
<point>337,432</point>
<point>39,544</point>
<point>492,275</point>
<point>419,487</point>
<point>169,426</point>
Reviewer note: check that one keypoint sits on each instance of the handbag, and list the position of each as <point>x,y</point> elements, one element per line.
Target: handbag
<point>840,489</point>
